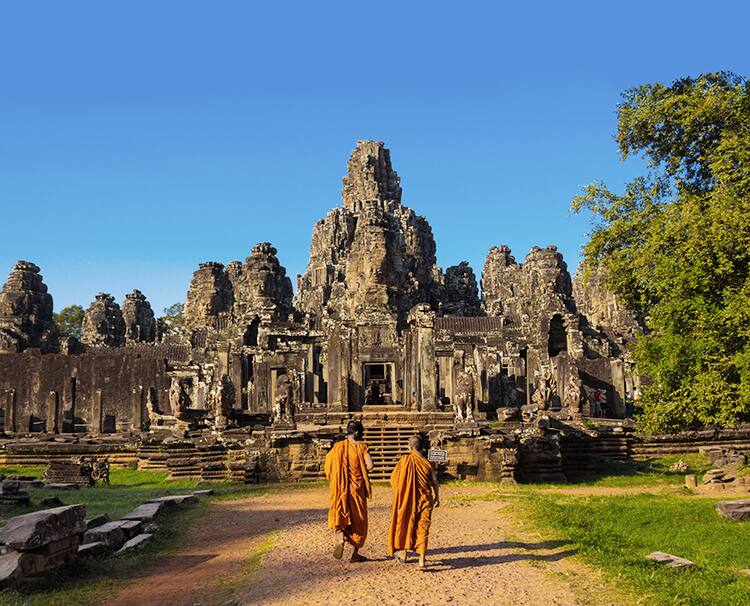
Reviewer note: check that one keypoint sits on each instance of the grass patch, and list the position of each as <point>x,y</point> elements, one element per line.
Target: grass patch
<point>87,581</point>
<point>614,533</point>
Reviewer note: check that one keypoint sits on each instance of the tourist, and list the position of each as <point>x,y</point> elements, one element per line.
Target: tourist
<point>413,481</point>
<point>347,469</point>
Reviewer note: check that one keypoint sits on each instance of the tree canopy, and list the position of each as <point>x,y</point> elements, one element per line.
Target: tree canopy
<point>173,319</point>
<point>675,246</point>
<point>69,321</point>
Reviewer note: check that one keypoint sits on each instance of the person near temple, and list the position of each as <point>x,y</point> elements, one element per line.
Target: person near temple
<point>347,467</point>
<point>415,494</point>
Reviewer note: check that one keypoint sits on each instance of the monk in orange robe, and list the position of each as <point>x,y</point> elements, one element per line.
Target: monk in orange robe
<point>347,466</point>
<point>414,479</point>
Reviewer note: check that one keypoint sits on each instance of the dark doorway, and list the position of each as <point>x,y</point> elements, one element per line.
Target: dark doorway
<point>378,383</point>
<point>558,337</point>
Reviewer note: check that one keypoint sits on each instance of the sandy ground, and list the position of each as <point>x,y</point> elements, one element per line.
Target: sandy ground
<point>478,555</point>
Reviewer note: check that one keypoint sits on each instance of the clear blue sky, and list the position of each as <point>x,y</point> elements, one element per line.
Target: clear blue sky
<point>138,139</point>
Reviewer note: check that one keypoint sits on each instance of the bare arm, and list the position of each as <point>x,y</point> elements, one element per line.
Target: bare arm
<point>368,462</point>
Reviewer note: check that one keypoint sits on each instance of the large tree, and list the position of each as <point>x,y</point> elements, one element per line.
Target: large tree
<point>675,246</point>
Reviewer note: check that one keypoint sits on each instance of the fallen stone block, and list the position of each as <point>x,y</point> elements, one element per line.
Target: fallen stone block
<point>202,493</point>
<point>11,570</point>
<point>136,541</point>
<point>17,498</point>
<point>62,486</point>
<point>669,560</point>
<point>33,530</point>
<point>178,499</point>
<point>111,534</point>
<point>97,521</point>
<point>93,549</point>
<point>131,528</point>
<point>145,512</point>
<point>690,481</point>
<point>734,510</point>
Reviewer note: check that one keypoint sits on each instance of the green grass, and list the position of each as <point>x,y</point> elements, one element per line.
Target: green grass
<point>86,581</point>
<point>614,533</point>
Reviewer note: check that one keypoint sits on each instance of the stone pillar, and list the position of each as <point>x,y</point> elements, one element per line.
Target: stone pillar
<point>422,320</point>
<point>96,413</point>
<point>53,413</point>
<point>10,410</point>
<point>137,404</point>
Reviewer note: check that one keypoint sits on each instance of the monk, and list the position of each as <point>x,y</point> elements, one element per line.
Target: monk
<point>414,479</point>
<point>348,465</point>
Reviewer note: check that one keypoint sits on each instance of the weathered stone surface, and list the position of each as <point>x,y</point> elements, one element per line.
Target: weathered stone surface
<point>51,502</point>
<point>669,560</point>
<point>103,324</point>
<point>97,521</point>
<point>263,287</point>
<point>145,512</point>
<point>372,256</point>
<point>62,486</point>
<point>461,295</point>
<point>140,324</point>
<point>111,534</point>
<point>602,308</point>
<point>210,296</point>
<point>178,499</point>
<point>370,176</point>
<point>34,530</point>
<point>135,542</point>
<point>203,493</point>
<point>93,549</point>
<point>131,527</point>
<point>26,312</point>
<point>734,510</point>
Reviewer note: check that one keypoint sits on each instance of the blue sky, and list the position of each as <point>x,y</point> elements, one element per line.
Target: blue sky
<point>138,139</point>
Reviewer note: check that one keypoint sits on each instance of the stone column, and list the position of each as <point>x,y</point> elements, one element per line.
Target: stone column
<point>53,413</point>
<point>422,320</point>
<point>137,403</point>
<point>96,413</point>
<point>10,410</point>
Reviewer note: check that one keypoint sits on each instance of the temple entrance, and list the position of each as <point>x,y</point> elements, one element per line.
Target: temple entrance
<point>558,337</point>
<point>378,382</point>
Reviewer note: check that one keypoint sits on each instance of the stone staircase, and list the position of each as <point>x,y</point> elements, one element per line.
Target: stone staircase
<point>387,444</point>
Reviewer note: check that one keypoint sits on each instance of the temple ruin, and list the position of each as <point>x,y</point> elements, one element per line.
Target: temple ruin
<point>375,330</point>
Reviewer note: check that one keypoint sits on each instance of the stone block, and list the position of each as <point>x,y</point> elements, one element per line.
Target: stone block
<point>131,527</point>
<point>135,542</point>
<point>33,530</point>
<point>111,534</point>
<point>61,486</point>
<point>172,500</point>
<point>734,510</point>
<point>51,502</point>
<point>97,521</point>
<point>669,560</point>
<point>690,481</point>
<point>93,549</point>
<point>145,512</point>
<point>202,493</point>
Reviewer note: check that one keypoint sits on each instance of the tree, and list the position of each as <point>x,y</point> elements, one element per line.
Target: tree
<point>69,321</point>
<point>173,319</point>
<point>675,246</point>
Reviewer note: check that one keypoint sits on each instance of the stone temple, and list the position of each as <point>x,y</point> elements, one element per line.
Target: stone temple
<point>264,377</point>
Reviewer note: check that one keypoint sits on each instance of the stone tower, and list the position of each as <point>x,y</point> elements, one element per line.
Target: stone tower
<point>140,325</point>
<point>26,312</point>
<point>103,324</point>
<point>372,257</point>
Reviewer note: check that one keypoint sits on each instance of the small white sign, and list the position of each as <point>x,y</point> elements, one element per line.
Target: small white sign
<point>438,456</point>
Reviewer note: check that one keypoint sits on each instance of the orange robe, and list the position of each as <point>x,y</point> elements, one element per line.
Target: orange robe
<point>413,502</point>
<point>348,490</point>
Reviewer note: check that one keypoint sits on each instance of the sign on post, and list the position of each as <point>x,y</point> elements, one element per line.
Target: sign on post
<point>437,456</point>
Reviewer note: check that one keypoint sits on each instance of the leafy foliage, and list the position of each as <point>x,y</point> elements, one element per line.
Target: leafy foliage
<point>173,319</point>
<point>676,247</point>
<point>69,321</point>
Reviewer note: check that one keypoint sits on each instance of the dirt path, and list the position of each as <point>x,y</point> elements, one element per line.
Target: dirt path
<point>477,557</point>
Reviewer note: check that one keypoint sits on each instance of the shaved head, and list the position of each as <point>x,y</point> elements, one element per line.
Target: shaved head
<point>415,442</point>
